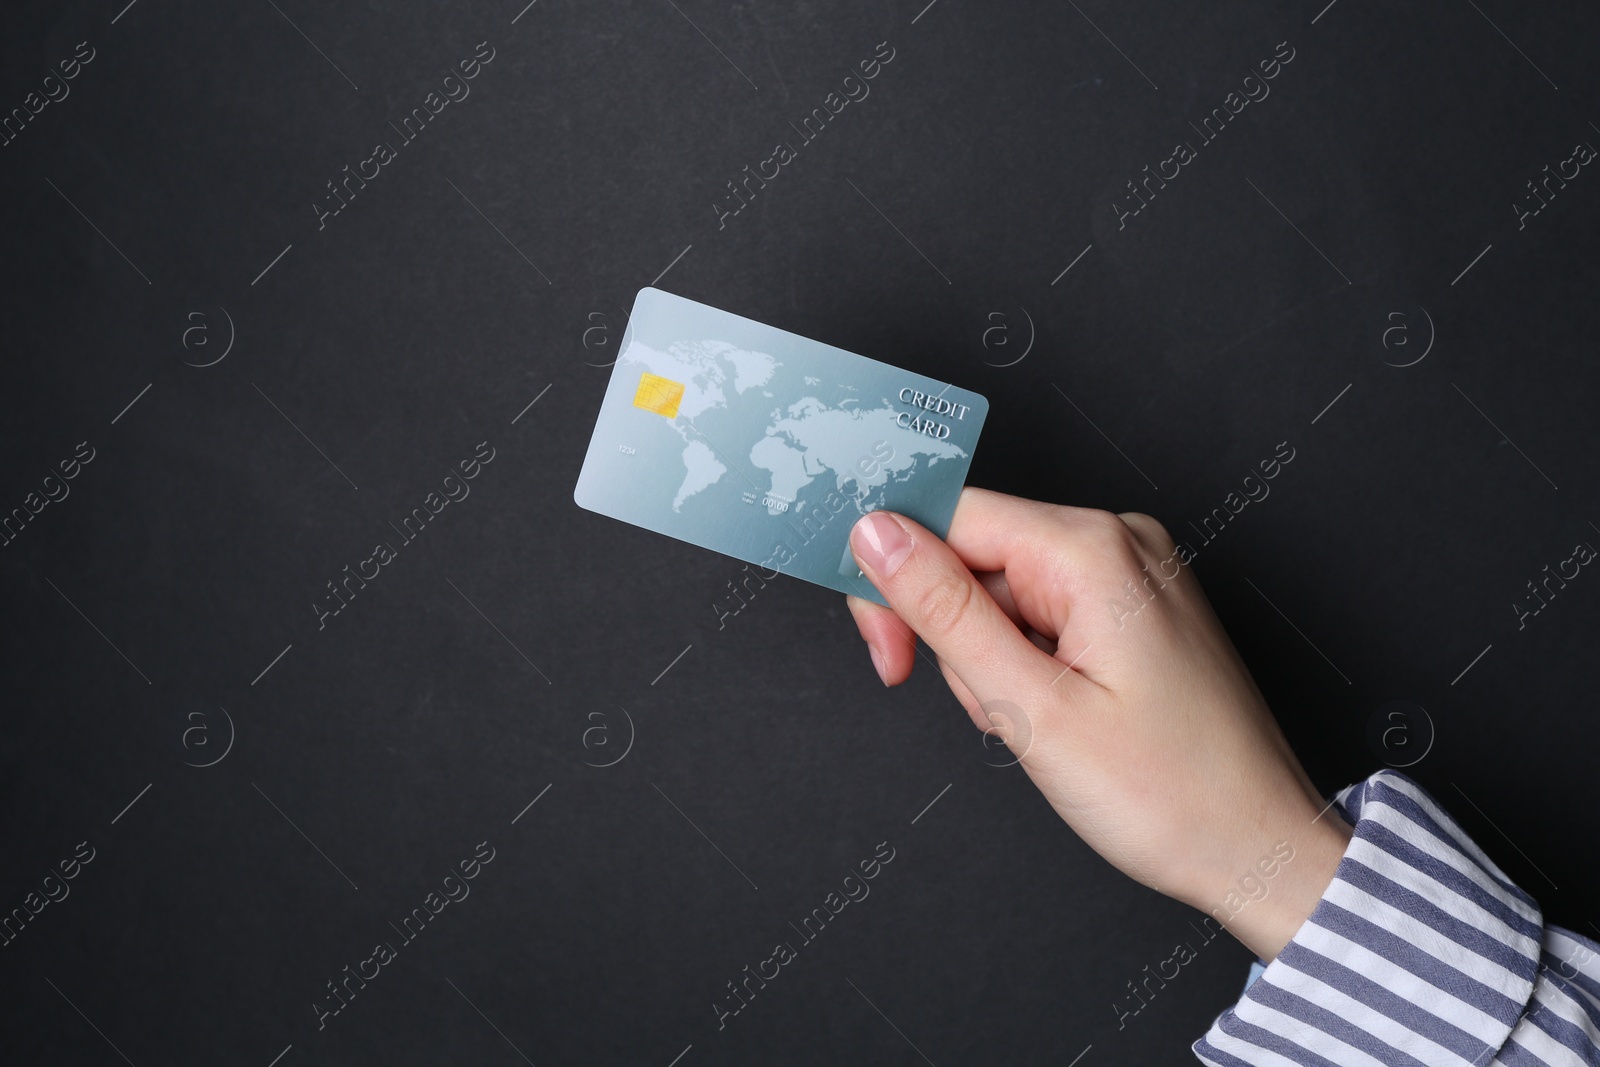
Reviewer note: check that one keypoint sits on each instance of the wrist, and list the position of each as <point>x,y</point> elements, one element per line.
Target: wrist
<point>1297,891</point>
<point>1269,894</point>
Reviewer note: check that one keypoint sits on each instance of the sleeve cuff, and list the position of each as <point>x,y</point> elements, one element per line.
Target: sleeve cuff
<point>1421,951</point>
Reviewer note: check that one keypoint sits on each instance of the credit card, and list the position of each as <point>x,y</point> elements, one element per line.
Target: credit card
<point>767,446</point>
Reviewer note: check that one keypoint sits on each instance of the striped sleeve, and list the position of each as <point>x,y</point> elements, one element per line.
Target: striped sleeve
<point>1420,953</point>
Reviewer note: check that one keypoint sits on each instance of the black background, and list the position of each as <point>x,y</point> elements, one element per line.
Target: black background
<point>491,264</point>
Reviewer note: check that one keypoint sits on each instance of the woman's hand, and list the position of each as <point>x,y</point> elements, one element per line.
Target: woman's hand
<point>1086,643</point>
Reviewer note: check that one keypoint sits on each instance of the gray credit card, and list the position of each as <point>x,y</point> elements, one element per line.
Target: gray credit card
<point>768,446</point>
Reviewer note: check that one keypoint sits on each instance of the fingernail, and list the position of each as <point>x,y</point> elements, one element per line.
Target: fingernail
<point>877,665</point>
<point>881,543</point>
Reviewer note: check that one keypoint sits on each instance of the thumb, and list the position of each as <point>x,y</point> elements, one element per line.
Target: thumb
<point>929,587</point>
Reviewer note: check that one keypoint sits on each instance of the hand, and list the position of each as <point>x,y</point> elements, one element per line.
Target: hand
<point>1143,729</point>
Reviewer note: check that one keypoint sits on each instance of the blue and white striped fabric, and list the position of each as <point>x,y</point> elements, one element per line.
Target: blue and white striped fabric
<point>1421,952</point>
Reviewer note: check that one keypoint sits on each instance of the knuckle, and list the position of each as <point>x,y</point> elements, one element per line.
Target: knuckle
<point>1149,529</point>
<point>1106,531</point>
<point>943,604</point>
<point>1114,545</point>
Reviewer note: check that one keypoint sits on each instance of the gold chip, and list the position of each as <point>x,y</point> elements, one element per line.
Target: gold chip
<point>658,394</point>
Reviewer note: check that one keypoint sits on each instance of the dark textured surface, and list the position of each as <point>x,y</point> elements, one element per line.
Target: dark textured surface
<point>490,263</point>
